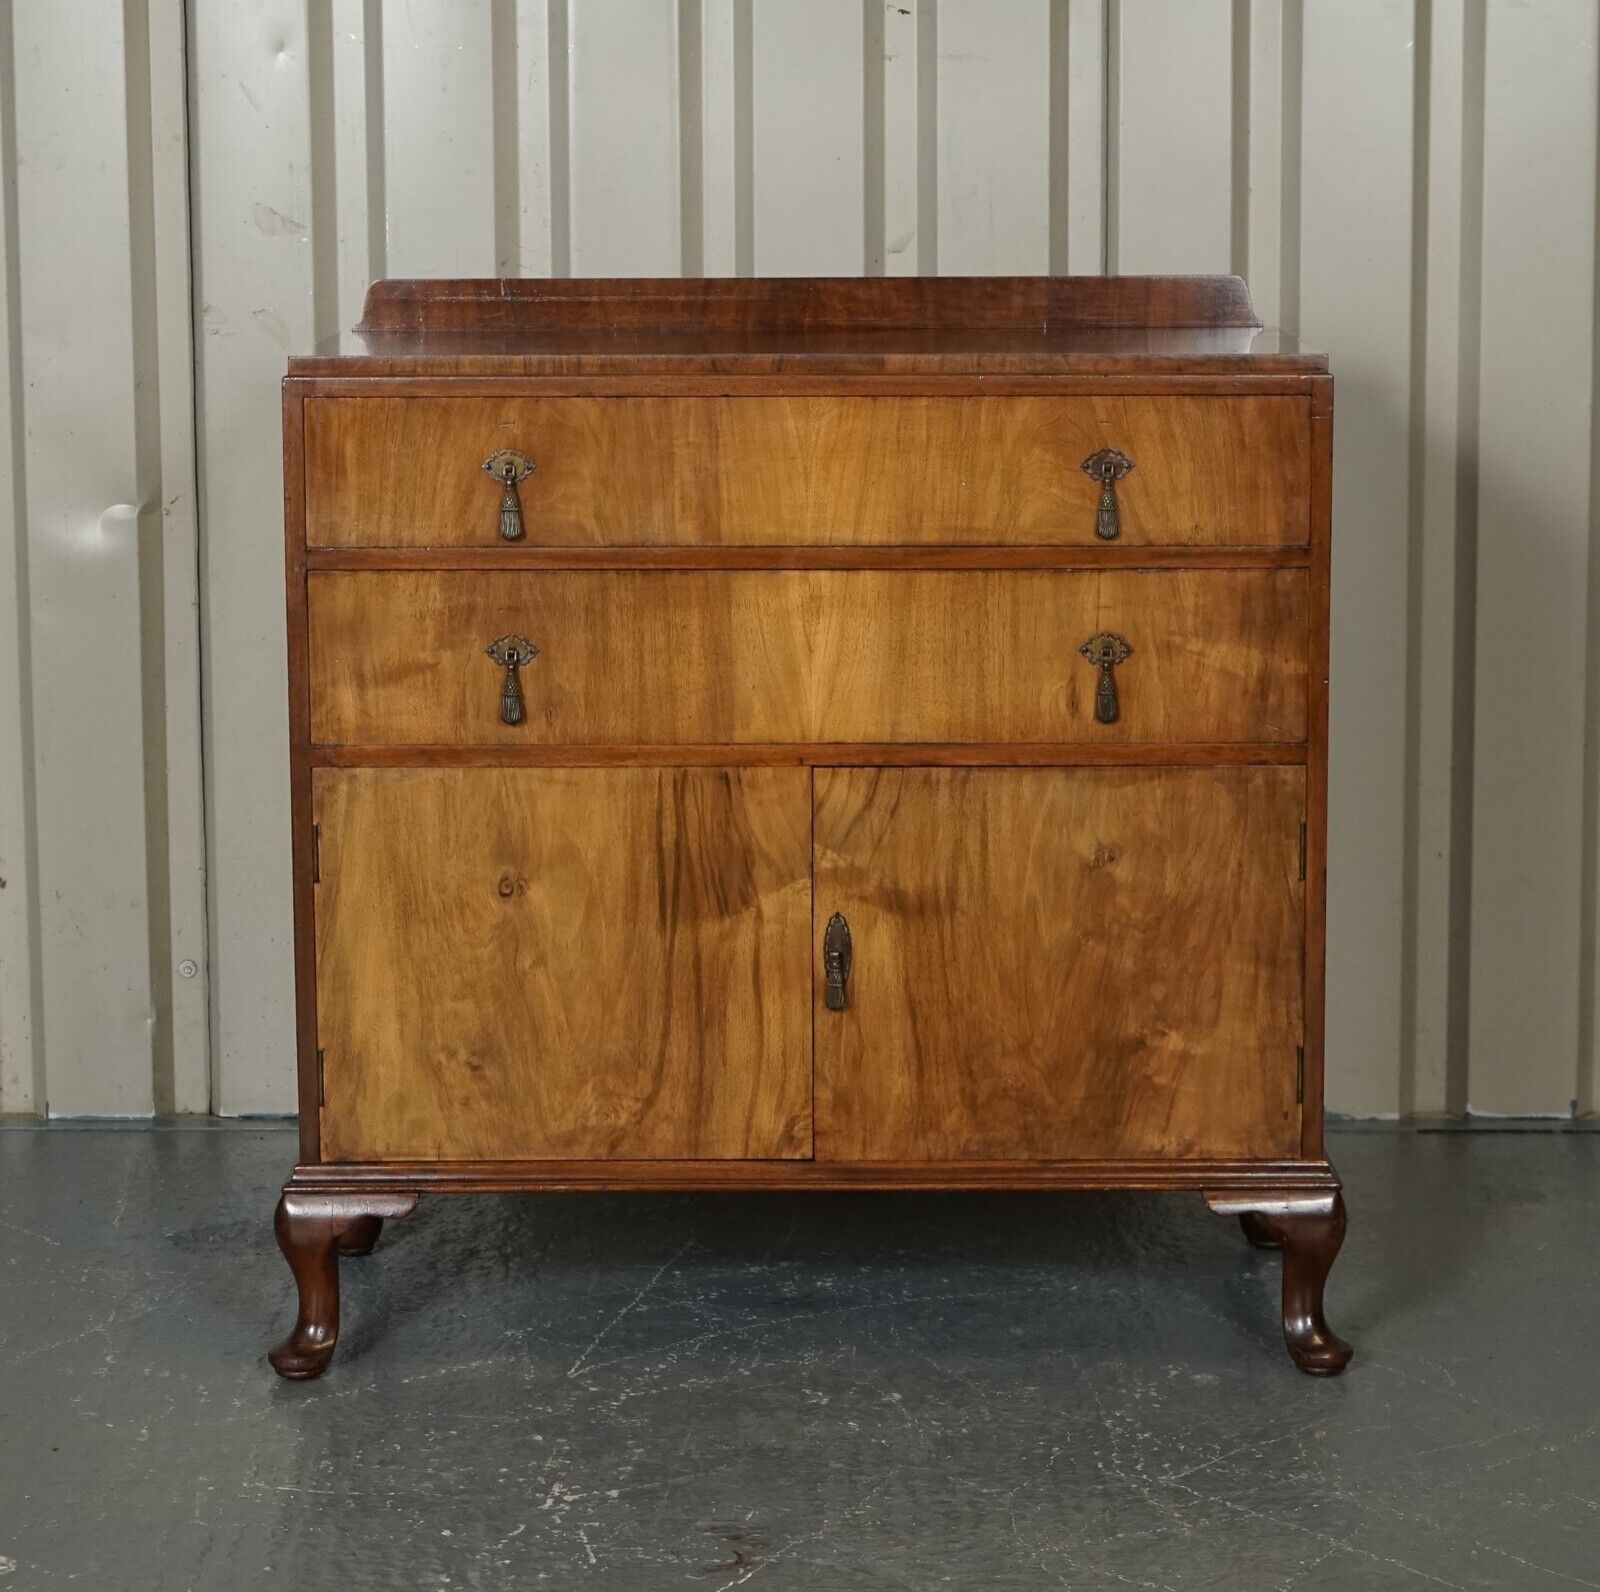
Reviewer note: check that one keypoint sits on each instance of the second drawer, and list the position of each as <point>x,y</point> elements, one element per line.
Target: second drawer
<point>622,657</point>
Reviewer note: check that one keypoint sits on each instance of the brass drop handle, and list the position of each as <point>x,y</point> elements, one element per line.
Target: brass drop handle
<point>1107,466</point>
<point>508,467</point>
<point>836,953</point>
<point>1105,651</point>
<point>512,653</point>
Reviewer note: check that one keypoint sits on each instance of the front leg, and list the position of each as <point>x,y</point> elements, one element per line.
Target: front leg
<point>1311,1240</point>
<point>312,1231</point>
<point>361,1236</point>
<point>1256,1229</point>
<point>1309,1228</point>
<point>309,1239</point>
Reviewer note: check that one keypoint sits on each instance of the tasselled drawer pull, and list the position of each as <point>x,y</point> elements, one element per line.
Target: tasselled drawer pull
<point>836,957</point>
<point>508,467</point>
<point>1105,651</point>
<point>1107,466</point>
<point>512,653</point>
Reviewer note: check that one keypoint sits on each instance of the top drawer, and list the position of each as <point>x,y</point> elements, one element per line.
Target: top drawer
<point>812,471</point>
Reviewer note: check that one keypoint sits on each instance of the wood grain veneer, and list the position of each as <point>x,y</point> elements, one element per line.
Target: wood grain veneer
<point>948,304</point>
<point>1061,962</point>
<point>749,657</point>
<point>808,565</point>
<point>617,472</point>
<point>561,963</point>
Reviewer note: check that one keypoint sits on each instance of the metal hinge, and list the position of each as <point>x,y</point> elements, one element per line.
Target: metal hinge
<point>1302,851</point>
<point>316,854</point>
<point>322,1093</point>
<point>1299,1075</point>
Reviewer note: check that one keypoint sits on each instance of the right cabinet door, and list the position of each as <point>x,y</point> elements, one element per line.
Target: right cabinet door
<point>1061,963</point>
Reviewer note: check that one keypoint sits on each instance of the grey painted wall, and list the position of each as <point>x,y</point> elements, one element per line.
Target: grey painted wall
<point>193,191</point>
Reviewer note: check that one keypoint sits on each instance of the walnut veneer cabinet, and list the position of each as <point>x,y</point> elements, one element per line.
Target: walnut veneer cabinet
<point>809,734</point>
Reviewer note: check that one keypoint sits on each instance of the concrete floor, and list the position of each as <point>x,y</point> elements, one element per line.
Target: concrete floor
<point>846,1392</point>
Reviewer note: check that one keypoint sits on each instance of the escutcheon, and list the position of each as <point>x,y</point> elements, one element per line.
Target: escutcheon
<point>837,954</point>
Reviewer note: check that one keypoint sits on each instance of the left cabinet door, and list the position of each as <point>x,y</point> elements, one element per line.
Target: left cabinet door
<point>564,963</point>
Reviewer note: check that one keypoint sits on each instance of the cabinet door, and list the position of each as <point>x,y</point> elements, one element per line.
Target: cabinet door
<point>1058,964</point>
<point>564,963</point>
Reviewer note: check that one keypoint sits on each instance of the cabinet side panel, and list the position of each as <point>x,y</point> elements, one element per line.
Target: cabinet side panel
<point>300,814</point>
<point>1317,768</point>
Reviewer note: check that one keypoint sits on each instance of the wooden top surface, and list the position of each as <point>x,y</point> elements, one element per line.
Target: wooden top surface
<point>820,326</point>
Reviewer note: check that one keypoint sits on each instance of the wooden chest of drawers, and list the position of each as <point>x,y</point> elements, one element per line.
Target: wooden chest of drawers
<point>809,734</point>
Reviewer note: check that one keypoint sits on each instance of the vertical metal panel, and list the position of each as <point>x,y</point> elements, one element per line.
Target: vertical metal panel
<point>1171,206</point>
<point>907,37</point>
<point>1355,291</point>
<point>183,1060</point>
<point>623,90</point>
<point>89,476</point>
<point>1265,119</point>
<point>808,152</point>
<point>993,137</point>
<point>356,156</point>
<point>1534,531</point>
<point>1444,432</point>
<point>1085,116</point>
<point>535,140</point>
<point>22,1087</point>
<point>439,144</point>
<point>721,24</point>
<point>252,174</point>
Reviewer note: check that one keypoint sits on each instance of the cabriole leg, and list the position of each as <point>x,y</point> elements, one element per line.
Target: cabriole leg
<point>310,1245</point>
<point>313,1230</point>
<point>1309,1229</point>
<point>361,1237</point>
<point>1256,1230</point>
<point>1311,1243</point>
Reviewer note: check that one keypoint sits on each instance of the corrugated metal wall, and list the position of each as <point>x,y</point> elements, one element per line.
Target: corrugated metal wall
<point>1407,183</point>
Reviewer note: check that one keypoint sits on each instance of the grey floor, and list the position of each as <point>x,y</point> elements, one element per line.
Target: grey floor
<point>847,1392</point>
